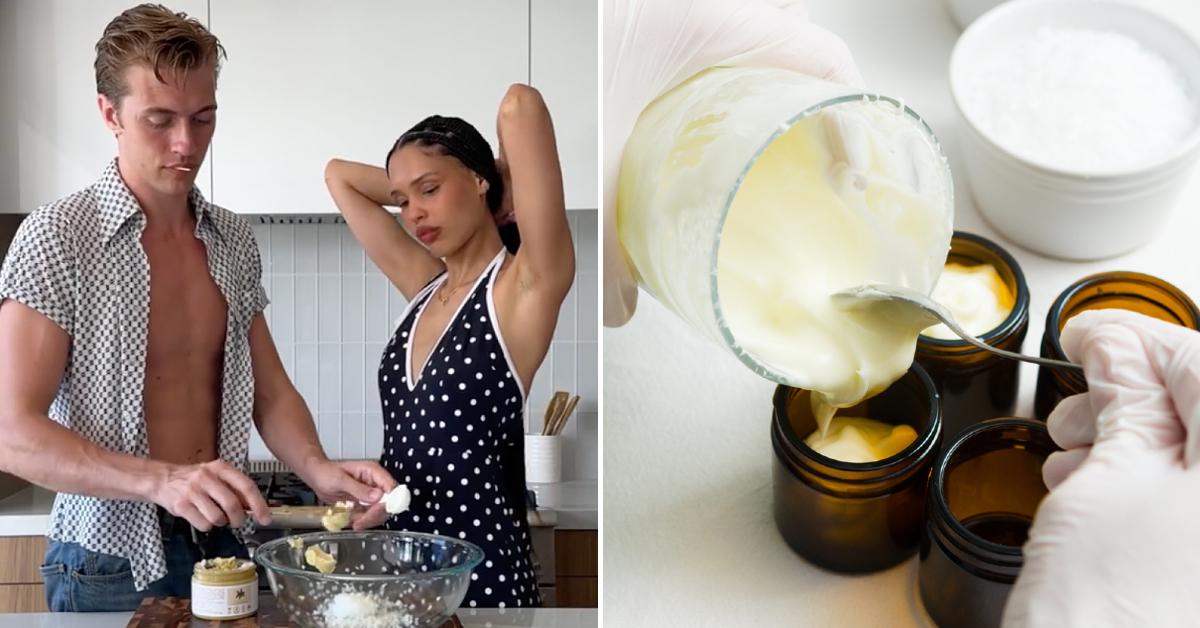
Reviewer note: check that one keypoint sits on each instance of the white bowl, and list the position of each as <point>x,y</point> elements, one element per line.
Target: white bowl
<point>966,11</point>
<point>1055,211</point>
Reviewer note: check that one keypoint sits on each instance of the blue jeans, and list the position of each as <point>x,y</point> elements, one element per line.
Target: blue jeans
<point>80,580</point>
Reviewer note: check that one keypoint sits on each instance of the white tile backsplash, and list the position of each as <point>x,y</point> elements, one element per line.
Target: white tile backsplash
<point>282,248</point>
<point>588,308</point>
<point>332,314</point>
<point>353,307</point>
<point>329,308</point>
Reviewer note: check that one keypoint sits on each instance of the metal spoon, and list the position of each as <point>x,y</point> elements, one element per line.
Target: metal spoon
<point>861,296</point>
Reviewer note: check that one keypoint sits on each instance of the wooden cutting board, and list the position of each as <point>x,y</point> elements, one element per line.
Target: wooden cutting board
<point>176,612</point>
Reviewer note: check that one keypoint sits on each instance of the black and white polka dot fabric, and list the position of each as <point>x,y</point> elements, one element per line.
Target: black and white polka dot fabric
<point>79,261</point>
<point>453,433</point>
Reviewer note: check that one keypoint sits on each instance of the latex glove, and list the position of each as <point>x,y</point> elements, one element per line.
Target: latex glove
<point>650,46</point>
<point>1117,540</point>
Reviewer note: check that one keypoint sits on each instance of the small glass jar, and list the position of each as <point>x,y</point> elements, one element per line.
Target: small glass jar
<point>1121,290</point>
<point>846,516</point>
<point>974,384</point>
<point>984,491</point>
<point>224,588</point>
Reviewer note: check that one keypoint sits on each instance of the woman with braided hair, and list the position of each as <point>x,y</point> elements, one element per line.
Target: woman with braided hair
<point>482,306</point>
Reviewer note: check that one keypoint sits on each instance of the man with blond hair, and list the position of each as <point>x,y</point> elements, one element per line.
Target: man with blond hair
<point>133,349</point>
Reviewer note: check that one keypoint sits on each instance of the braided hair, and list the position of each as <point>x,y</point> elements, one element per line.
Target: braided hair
<point>456,138</point>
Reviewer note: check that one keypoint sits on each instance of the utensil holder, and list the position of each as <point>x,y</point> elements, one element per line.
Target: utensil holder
<point>543,458</point>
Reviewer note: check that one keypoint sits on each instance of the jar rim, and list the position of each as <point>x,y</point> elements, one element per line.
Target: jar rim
<point>1018,314</point>
<point>937,485</point>
<point>242,572</point>
<point>1053,332</point>
<point>796,450</point>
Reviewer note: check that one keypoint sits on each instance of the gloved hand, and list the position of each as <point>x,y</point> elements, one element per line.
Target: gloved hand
<point>1117,540</point>
<point>651,46</point>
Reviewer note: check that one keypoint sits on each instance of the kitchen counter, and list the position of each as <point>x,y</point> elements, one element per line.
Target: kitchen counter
<point>481,618</point>
<point>26,512</point>
<point>572,504</point>
<point>689,538</point>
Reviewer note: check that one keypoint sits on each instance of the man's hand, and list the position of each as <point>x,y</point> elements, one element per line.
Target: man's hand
<point>210,495</point>
<point>360,481</point>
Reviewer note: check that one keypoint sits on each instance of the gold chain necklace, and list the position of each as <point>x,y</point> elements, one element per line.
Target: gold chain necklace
<point>444,296</point>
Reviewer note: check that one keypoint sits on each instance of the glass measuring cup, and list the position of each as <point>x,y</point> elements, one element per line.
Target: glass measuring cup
<point>684,165</point>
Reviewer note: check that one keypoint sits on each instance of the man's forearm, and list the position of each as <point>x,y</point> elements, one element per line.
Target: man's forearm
<point>45,453</point>
<point>288,430</point>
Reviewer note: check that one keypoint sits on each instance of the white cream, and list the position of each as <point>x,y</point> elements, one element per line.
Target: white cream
<point>977,297</point>
<point>851,195</point>
<point>320,559</point>
<point>857,439</point>
<point>397,500</point>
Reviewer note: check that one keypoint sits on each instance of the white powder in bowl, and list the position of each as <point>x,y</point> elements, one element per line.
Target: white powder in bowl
<point>1079,100</point>
<point>351,609</point>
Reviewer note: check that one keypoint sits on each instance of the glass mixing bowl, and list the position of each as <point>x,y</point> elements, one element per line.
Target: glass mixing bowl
<point>382,578</point>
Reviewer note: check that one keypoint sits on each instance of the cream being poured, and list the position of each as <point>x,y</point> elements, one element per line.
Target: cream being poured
<point>855,194</point>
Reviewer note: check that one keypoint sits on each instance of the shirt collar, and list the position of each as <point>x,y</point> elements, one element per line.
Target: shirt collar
<point>117,204</point>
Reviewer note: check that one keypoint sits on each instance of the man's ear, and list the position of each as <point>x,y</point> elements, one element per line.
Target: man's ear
<point>482,184</point>
<point>110,114</point>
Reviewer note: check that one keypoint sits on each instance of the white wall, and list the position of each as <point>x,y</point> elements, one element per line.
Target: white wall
<point>10,196</point>
<point>361,70</point>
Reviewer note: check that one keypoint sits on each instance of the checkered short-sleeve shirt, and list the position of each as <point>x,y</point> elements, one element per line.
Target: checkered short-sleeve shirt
<point>79,261</point>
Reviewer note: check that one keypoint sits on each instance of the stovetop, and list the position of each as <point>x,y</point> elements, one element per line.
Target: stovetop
<point>284,488</point>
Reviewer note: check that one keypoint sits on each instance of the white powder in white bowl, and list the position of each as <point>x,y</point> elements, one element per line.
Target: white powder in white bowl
<point>1081,100</point>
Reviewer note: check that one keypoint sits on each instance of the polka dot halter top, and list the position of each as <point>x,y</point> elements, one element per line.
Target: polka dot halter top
<point>454,434</point>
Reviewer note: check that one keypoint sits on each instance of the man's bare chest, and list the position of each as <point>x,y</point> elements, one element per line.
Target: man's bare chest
<point>188,313</point>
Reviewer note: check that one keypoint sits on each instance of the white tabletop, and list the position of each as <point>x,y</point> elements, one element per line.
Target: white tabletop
<point>688,532</point>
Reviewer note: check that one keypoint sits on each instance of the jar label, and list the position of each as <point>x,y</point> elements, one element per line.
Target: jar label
<point>223,601</point>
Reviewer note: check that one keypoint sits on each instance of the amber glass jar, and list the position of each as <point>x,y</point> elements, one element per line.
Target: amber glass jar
<point>974,384</point>
<point>1113,290</point>
<point>854,517</point>
<point>983,494</point>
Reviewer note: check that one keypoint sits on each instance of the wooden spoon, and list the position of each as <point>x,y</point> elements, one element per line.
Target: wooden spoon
<point>552,411</point>
<point>565,415</point>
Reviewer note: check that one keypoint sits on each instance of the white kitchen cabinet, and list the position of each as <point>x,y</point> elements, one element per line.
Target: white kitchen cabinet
<point>310,80</point>
<point>563,67</point>
<point>53,141</point>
